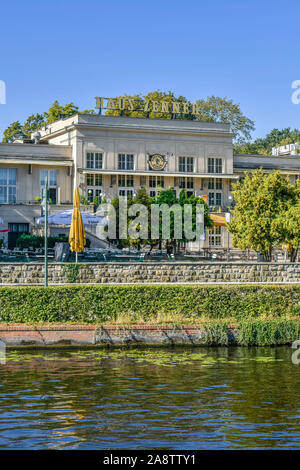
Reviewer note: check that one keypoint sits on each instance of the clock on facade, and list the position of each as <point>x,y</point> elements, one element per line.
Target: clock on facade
<point>157,162</point>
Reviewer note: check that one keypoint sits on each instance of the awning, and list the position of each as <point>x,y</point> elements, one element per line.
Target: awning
<point>65,218</point>
<point>34,161</point>
<point>157,173</point>
<point>219,220</point>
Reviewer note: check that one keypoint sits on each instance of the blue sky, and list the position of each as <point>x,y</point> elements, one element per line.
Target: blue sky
<point>246,50</point>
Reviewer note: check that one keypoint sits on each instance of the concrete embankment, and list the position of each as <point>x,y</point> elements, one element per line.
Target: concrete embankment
<point>258,333</point>
<point>65,335</point>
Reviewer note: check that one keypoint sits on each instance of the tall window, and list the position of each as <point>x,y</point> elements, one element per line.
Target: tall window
<point>125,181</point>
<point>93,180</point>
<point>93,183</point>
<point>52,177</point>
<point>215,165</point>
<point>125,161</point>
<point>52,183</point>
<point>215,199</point>
<point>186,183</point>
<point>94,161</point>
<point>127,193</point>
<point>8,185</point>
<point>155,181</point>
<point>143,180</point>
<point>214,183</point>
<point>215,237</point>
<point>186,164</point>
<point>92,193</point>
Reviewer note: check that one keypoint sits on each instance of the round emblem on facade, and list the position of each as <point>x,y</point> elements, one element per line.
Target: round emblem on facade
<point>157,162</point>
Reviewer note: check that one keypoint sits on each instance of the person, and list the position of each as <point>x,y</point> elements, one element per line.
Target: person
<point>169,250</point>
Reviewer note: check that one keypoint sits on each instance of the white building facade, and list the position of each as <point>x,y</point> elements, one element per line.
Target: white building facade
<point>108,156</point>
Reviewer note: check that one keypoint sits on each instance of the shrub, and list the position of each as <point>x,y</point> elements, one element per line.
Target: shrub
<point>86,303</point>
<point>27,241</point>
<point>268,332</point>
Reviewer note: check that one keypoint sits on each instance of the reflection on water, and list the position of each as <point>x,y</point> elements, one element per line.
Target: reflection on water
<point>214,398</point>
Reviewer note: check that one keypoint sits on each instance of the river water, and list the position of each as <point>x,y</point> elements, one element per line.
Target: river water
<point>214,398</point>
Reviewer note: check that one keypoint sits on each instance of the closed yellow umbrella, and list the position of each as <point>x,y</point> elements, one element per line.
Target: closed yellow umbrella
<point>219,220</point>
<point>77,238</point>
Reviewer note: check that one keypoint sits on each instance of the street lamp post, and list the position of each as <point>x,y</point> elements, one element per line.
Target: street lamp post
<point>228,220</point>
<point>45,205</point>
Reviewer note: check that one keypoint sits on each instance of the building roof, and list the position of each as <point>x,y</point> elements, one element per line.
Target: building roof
<point>17,153</point>
<point>289,163</point>
<point>131,124</point>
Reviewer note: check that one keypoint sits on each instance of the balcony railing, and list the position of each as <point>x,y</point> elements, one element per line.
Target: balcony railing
<point>33,202</point>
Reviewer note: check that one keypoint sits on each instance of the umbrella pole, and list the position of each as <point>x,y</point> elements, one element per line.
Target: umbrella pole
<point>76,257</point>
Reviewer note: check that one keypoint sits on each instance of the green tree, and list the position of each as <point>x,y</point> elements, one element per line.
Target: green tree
<point>217,109</point>
<point>33,123</point>
<point>263,146</point>
<point>13,132</point>
<point>143,198</point>
<point>213,109</point>
<point>168,197</point>
<point>56,111</point>
<point>16,130</point>
<point>138,103</point>
<point>286,226</point>
<point>260,198</point>
<point>115,202</point>
<point>164,197</point>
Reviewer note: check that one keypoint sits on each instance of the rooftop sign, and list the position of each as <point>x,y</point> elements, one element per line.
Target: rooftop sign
<point>128,104</point>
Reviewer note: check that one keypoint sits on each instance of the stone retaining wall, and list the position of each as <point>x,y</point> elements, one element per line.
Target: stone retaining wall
<point>148,273</point>
<point>107,335</point>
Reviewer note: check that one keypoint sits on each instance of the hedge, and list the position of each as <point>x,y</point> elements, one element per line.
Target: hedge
<point>268,333</point>
<point>97,304</point>
<point>27,240</point>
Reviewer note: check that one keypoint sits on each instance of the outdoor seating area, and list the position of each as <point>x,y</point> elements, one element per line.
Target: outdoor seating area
<point>25,255</point>
<point>115,255</point>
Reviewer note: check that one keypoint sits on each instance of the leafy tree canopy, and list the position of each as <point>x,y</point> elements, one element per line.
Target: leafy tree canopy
<point>164,197</point>
<point>264,212</point>
<point>263,146</point>
<point>16,130</point>
<point>211,109</point>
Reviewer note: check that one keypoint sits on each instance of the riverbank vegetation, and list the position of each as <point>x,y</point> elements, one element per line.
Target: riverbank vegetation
<point>148,303</point>
<point>238,315</point>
